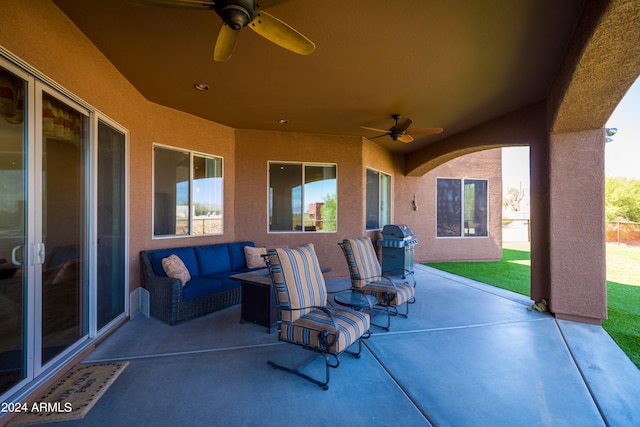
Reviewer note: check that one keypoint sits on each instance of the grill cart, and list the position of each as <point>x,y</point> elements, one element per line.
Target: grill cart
<point>398,244</point>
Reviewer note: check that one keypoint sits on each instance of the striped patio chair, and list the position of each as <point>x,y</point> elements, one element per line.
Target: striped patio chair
<point>305,318</point>
<point>366,276</point>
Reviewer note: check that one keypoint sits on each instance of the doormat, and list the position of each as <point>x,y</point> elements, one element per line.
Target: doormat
<point>72,396</point>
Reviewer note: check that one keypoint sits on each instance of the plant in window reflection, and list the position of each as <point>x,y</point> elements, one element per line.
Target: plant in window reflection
<point>202,210</point>
<point>328,210</point>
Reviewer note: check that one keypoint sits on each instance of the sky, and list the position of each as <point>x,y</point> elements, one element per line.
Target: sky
<point>622,155</point>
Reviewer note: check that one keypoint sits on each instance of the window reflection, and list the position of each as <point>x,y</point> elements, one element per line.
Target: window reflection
<point>302,197</point>
<point>187,200</point>
<point>462,207</point>
<point>378,204</point>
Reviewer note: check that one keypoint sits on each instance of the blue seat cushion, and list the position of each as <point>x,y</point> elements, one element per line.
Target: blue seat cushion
<point>212,259</point>
<point>200,287</point>
<point>186,254</point>
<point>224,278</point>
<point>236,252</point>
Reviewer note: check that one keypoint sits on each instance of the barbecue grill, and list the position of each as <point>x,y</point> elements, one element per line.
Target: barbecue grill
<point>398,245</point>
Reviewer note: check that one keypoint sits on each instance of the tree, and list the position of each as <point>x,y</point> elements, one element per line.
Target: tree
<point>622,199</point>
<point>328,210</point>
<point>512,198</point>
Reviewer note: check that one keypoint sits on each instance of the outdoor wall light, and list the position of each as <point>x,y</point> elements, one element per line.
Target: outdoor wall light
<point>610,133</point>
<point>415,202</point>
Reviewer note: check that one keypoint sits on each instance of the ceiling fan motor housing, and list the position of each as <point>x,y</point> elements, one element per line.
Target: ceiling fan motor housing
<point>236,13</point>
<point>396,133</point>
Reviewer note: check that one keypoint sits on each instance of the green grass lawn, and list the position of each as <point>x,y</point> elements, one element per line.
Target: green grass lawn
<point>513,272</point>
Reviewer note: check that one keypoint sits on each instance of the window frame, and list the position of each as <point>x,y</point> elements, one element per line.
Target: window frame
<point>303,166</point>
<point>191,180</point>
<point>380,225</point>
<point>463,234</point>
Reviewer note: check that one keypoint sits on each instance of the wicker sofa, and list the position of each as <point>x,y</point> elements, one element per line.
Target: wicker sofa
<point>209,288</point>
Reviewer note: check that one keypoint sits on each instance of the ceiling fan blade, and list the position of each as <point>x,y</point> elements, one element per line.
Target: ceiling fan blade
<point>268,4</point>
<point>276,31</point>
<point>403,124</point>
<point>225,44</point>
<point>406,138</point>
<point>379,136</point>
<point>180,4</point>
<point>375,130</point>
<point>429,131</point>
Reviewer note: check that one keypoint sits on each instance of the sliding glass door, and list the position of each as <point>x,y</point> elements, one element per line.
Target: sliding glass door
<point>112,242</point>
<point>13,229</point>
<point>43,227</point>
<point>61,241</point>
<point>63,246</point>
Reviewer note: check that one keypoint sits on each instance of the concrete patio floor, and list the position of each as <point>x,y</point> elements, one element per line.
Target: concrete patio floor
<point>468,355</point>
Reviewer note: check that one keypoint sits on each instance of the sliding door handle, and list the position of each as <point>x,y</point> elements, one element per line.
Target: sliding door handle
<point>14,259</point>
<point>41,253</point>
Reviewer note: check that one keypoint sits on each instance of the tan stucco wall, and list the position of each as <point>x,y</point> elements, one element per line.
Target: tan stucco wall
<point>577,238</point>
<point>517,128</point>
<point>254,149</point>
<point>180,130</point>
<point>483,165</point>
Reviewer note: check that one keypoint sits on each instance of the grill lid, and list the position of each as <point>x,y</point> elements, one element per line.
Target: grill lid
<point>397,232</point>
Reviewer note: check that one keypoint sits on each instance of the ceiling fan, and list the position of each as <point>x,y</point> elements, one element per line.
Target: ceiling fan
<point>401,132</point>
<point>237,14</point>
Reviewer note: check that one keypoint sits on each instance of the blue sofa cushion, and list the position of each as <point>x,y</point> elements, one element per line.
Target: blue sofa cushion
<point>236,252</point>
<point>186,254</point>
<point>201,287</point>
<point>224,278</point>
<point>212,259</point>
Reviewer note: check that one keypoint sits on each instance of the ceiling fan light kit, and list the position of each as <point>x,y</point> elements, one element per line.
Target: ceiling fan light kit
<point>237,14</point>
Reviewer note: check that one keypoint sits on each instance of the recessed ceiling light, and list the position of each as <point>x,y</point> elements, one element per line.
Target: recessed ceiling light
<point>201,86</point>
<point>283,121</point>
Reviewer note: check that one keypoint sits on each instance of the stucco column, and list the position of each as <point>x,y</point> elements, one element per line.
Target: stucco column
<point>577,229</point>
<point>540,211</point>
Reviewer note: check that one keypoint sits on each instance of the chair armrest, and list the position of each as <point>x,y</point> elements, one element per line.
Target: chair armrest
<point>160,285</point>
<point>406,273</point>
<point>325,332</point>
<point>374,279</point>
<point>165,293</point>
<point>165,286</point>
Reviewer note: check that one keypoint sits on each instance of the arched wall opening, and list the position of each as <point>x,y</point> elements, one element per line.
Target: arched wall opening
<point>566,136</point>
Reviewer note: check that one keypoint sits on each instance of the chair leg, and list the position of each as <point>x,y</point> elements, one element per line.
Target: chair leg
<point>356,354</point>
<point>327,359</point>
<point>396,312</point>
<point>323,384</point>
<point>386,328</point>
<point>393,311</point>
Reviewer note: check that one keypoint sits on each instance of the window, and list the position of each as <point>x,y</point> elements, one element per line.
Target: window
<point>462,207</point>
<point>378,208</point>
<point>188,193</point>
<point>302,197</point>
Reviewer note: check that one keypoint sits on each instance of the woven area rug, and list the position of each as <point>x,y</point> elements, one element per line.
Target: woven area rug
<point>72,396</point>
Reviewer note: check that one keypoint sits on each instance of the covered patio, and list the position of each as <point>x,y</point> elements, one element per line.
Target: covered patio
<point>492,74</point>
<point>469,354</point>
